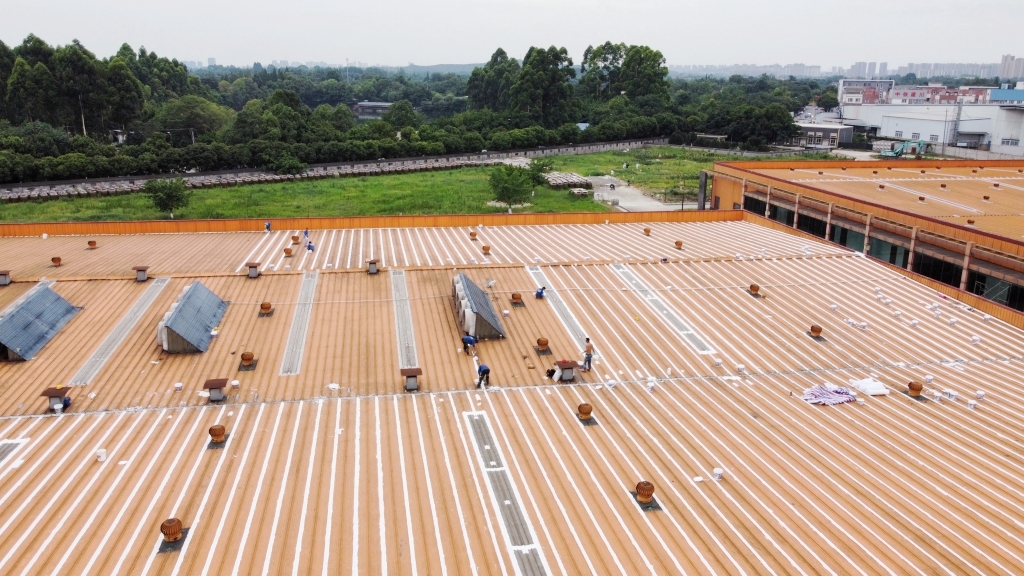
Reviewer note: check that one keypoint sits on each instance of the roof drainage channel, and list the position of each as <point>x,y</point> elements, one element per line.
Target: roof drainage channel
<point>517,529</point>
<point>552,297</point>
<point>403,321</point>
<point>113,341</point>
<point>293,351</point>
<point>659,306</point>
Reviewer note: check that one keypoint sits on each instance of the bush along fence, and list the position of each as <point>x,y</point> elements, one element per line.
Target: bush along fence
<point>200,180</point>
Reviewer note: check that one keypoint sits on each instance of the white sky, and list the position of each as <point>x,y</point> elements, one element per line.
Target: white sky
<point>397,32</point>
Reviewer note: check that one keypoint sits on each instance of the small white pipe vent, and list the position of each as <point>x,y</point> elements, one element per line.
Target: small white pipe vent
<point>972,404</point>
<point>897,313</point>
<point>986,317</point>
<point>952,321</point>
<point>834,307</point>
<point>718,362</point>
<point>981,395</point>
<point>913,323</point>
<point>740,369</point>
<point>717,473</point>
<point>888,301</point>
<point>101,455</point>
<point>951,394</point>
<point>928,378</point>
<point>975,339</point>
<point>178,386</point>
<point>938,396</point>
<point>863,325</point>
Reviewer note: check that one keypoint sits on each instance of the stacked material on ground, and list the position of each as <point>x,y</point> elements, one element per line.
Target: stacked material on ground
<point>828,395</point>
<point>567,180</point>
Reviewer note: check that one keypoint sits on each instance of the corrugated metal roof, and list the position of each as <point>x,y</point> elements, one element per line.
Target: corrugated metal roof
<point>29,326</point>
<point>197,314</point>
<point>481,305</point>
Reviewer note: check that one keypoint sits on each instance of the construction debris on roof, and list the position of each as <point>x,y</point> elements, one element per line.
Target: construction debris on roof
<point>189,325</point>
<point>27,327</point>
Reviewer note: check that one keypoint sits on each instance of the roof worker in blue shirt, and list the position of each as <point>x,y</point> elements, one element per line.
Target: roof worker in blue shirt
<point>310,247</point>
<point>266,226</point>
<point>485,376</point>
<point>467,343</point>
<point>306,234</point>
<point>540,292</point>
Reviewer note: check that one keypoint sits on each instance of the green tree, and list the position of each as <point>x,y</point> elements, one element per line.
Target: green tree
<point>401,114</point>
<point>31,91</point>
<point>168,195</point>
<point>192,113</point>
<point>78,77</point>
<point>643,74</point>
<point>543,92</point>
<point>126,97</point>
<point>34,50</point>
<point>828,100</point>
<point>488,87</point>
<point>7,59</point>
<point>599,70</point>
<point>511,185</point>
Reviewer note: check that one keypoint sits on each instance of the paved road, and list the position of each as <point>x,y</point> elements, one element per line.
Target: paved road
<point>630,199</point>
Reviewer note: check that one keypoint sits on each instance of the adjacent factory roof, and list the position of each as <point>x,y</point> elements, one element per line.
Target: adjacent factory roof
<point>32,322</point>
<point>990,196</point>
<point>336,470</point>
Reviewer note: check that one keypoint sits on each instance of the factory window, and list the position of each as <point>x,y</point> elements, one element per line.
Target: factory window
<point>817,137</point>
<point>811,225</point>
<point>1011,142</point>
<point>833,140</point>
<point>915,136</point>
<point>996,290</point>
<point>889,252</point>
<point>934,137</point>
<point>849,238</point>
<point>754,205</point>
<point>899,134</point>
<point>781,215</point>
<point>936,269</point>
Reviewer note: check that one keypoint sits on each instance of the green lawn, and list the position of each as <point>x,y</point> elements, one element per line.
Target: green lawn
<point>463,191</point>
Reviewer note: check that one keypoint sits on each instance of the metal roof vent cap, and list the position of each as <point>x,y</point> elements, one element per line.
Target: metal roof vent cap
<point>985,198</point>
<point>942,185</point>
<point>754,289</point>
<point>171,529</point>
<point>585,411</point>
<point>486,250</point>
<point>679,244</point>
<point>995,185</point>
<point>472,235</point>
<point>920,198</point>
<point>816,331</point>
<point>647,231</point>
<point>644,492</point>
<point>914,388</point>
<point>217,433</point>
<point>55,261</point>
<point>92,244</point>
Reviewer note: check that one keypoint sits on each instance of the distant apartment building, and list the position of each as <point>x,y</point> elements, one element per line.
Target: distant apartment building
<point>883,69</point>
<point>211,61</point>
<point>855,91</point>
<point>871,71</point>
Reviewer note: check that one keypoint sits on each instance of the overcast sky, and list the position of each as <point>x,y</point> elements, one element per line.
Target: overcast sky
<point>397,32</point>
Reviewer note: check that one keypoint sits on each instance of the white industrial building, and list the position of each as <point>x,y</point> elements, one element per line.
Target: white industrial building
<point>993,127</point>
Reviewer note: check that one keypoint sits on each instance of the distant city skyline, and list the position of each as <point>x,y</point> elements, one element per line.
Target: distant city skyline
<point>396,32</point>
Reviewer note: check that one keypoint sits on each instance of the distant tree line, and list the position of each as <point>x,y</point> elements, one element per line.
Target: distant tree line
<point>65,114</point>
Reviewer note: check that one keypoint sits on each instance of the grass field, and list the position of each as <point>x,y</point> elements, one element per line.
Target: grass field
<point>661,168</point>
<point>463,191</point>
